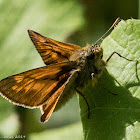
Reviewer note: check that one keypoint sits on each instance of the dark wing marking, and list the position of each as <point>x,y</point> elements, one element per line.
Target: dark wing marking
<point>50,50</point>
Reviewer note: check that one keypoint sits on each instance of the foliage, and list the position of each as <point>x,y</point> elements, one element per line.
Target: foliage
<point>70,132</point>
<point>117,116</point>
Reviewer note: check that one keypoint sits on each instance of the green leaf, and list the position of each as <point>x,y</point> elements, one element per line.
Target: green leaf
<point>116,117</point>
<point>70,132</point>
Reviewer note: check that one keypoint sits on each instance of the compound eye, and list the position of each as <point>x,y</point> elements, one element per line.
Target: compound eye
<point>90,55</point>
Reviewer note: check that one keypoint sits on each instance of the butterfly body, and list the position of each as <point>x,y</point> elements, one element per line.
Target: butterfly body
<point>88,61</point>
<point>68,67</point>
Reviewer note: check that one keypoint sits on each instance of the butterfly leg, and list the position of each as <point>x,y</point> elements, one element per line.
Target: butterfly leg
<point>119,56</point>
<point>80,93</point>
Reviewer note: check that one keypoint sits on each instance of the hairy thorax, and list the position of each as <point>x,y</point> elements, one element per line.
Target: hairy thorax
<point>89,68</point>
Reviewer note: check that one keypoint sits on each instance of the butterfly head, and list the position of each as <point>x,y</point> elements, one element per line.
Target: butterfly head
<point>95,53</point>
<point>94,59</point>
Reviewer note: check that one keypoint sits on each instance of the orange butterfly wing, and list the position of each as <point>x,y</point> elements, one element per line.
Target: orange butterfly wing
<point>37,87</point>
<point>43,86</point>
<point>50,50</point>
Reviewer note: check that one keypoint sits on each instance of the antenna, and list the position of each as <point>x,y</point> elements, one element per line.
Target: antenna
<point>115,22</point>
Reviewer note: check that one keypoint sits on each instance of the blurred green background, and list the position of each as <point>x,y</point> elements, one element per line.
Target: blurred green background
<point>74,21</point>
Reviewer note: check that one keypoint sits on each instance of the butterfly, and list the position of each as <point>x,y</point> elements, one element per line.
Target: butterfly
<point>68,67</point>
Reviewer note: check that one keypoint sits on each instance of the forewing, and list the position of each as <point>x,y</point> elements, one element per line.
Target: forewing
<point>50,50</point>
<point>34,87</point>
